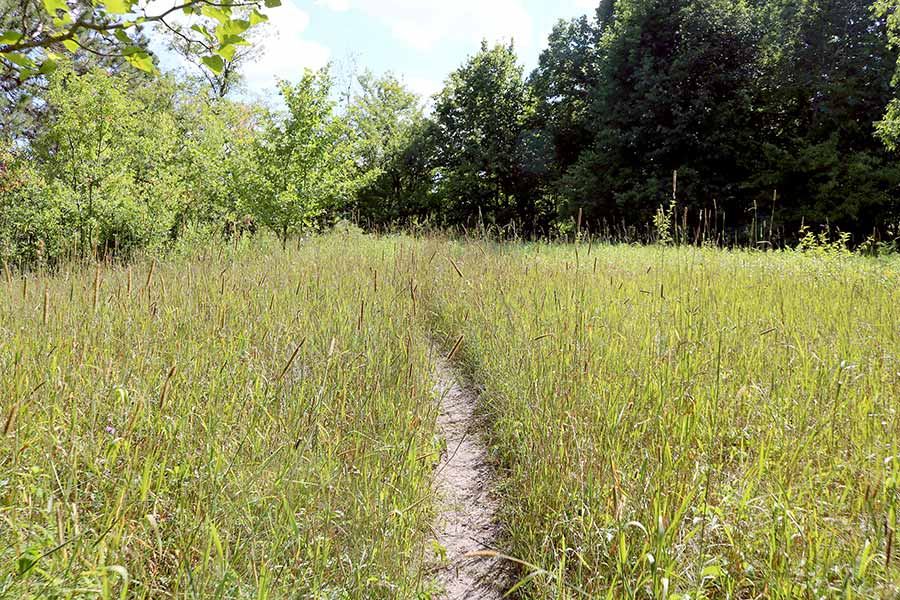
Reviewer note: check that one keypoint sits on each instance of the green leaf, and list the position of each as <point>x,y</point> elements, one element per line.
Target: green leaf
<point>201,29</point>
<point>54,5</point>
<point>48,66</point>
<point>71,45</point>
<point>712,572</point>
<point>233,27</point>
<point>215,63</point>
<point>10,37</point>
<point>26,561</point>
<point>140,60</point>
<point>122,36</point>
<point>226,52</point>
<point>215,13</point>
<point>233,40</point>
<point>257,17</point>
<point>20,60</point>
<point>118,7</point>
<point>273,3</point>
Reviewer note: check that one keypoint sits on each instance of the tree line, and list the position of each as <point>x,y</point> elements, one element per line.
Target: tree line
<point>735,121</point>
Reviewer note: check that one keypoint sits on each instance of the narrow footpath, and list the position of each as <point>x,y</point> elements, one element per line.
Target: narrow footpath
<point>463,481</point>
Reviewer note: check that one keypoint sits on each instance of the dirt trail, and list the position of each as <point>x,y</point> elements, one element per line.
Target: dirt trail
<point>463,481</point>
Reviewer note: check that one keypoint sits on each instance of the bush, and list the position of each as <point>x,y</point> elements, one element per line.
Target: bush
<point>34,215</point>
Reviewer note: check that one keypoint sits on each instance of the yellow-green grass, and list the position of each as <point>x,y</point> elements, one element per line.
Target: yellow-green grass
<point>687,422</point>
<point>244,423</point>
<point>666,421</point>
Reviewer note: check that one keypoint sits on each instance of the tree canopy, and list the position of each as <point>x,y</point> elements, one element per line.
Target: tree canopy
<point>741,120</point>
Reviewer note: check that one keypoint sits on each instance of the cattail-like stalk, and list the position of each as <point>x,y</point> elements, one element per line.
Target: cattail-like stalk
<point>10,418</point>
<point>578,225</point>
<point>165,388</point>
<point>96,287</point>
<point>291,359</point>
<point>772,220</point>
<point>458,272</point>
<point>455,349</point>
<point>60,528</point>
<point>150,278</point>
<point>889,546</point>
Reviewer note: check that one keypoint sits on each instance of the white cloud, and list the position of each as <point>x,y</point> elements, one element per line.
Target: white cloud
<point>423,86</point>
<point>284,51</point>
<point>424,24</point>
<point>335,5</point>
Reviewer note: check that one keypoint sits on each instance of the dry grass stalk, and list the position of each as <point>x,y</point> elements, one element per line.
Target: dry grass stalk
<point>291,359</point>
<point>455,348</point>
<point>166,385</point>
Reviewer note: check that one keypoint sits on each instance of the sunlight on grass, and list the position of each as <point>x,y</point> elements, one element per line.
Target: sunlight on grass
<point>259,422</point>
<point>245,423</point>
<point>684,422</point>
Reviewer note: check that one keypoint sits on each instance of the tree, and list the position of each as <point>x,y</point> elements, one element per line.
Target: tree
<point>42,29</point>
<point>390,130</point>
<point>22,102</point>
<point>480,118</point>
<point>563,84</point>
<point>305,170</point>
<point>195,49</point>
<point>828,80</point>
<point>109,149</point>
<point>215,158</point>
<point>674,93</point>
<point>889,127</point>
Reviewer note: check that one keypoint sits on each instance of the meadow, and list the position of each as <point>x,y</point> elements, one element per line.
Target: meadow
<point>688,423</point>
<point>247,422</point>
<point>258,421</point>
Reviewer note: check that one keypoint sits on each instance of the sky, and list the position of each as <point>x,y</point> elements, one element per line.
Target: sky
<point>420,41</point>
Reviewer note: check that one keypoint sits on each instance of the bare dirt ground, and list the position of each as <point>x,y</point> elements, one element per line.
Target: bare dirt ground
<point>464,482</point>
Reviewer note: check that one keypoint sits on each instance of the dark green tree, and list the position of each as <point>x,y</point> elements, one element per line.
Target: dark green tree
<point>481,117</point>
<point>392,143</point>
<point>889,127</point>
<point>563,85</point>
<point>675,93</point>
<point>828,79</point>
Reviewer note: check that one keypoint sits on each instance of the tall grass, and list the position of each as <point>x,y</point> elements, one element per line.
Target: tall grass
<point>686,423</point>
<point>246,423</point>
<point>259,422</point>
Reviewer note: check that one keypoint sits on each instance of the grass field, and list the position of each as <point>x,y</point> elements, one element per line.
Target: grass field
<point>688,423</point>
<point>245,424</point>
<point>258,422</point>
